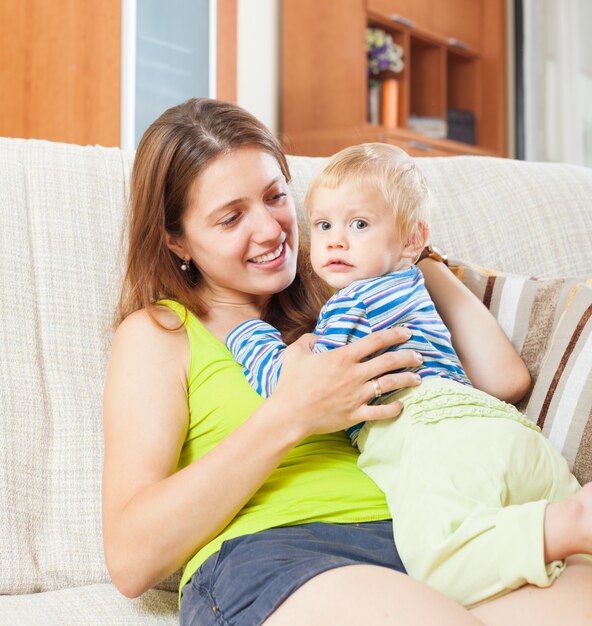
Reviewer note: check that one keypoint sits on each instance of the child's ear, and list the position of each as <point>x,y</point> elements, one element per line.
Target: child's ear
<point>417,241</point>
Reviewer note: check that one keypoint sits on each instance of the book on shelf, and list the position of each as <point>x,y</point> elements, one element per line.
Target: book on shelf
<point>433,127</point>
<point>461,126</point>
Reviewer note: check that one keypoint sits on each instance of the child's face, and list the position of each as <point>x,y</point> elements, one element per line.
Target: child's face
<point>353,235</point>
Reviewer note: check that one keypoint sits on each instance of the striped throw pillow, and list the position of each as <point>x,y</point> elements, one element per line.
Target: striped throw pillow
<point>549,323</point>
<point>561,400</point>
<point>527,308</point>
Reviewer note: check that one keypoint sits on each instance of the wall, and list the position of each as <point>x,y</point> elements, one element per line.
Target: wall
<point>558,81</point>
<point>511,74</point>
<point>61,63</point>
<point>258,59</point>
<point>59,70</point>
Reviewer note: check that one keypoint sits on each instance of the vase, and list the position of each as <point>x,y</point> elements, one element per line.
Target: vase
<point>390,103</point>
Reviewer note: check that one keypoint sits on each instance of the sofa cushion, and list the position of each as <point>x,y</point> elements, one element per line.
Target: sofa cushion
<point>527,308</point>
<point>92,605</point>
<point>548,322</point>
<point>561,401</point>
<point>60,237</point>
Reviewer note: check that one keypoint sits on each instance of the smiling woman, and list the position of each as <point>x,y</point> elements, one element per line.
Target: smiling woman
<point>242,237</point>
<point>214,241</point>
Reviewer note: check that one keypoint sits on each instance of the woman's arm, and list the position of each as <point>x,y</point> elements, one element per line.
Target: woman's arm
<point>155,520</point>
<point>490,361</point>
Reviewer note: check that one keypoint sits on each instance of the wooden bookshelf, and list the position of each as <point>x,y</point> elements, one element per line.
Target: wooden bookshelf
<point>454,60</point>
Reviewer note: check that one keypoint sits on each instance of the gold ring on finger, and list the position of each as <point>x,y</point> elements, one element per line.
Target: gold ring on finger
<point>377,389</point>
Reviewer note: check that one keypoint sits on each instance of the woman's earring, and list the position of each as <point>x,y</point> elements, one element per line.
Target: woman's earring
<point>185,264</point>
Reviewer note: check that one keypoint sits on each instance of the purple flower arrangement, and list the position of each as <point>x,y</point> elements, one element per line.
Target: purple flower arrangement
<point>384,55</point>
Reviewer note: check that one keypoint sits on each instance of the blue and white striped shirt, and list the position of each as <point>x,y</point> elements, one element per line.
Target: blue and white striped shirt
<point>364,306</point>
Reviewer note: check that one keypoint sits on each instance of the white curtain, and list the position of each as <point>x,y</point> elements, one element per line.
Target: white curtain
<point>558,80</point>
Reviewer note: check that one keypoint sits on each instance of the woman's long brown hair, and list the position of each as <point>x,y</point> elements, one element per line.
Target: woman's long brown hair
<point>172,153</point>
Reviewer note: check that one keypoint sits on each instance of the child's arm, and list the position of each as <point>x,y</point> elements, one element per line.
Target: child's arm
<point>259,348</point>
<point>341,321</point>
<point>489,359</point>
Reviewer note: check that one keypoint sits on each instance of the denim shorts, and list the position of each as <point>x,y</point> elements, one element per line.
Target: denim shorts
<point>250,576</point>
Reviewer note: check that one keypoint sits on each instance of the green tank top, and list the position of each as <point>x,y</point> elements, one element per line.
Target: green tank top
<point>318,480</point>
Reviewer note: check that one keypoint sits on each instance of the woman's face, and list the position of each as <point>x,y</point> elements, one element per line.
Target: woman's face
<point>240,228</point>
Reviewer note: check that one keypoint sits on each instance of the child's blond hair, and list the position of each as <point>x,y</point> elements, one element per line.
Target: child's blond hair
<point>389,170</point>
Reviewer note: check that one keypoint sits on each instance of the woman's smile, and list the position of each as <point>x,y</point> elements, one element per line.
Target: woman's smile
<point>267,260</point>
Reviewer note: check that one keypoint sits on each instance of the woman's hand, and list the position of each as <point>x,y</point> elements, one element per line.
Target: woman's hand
<point>330,391</point>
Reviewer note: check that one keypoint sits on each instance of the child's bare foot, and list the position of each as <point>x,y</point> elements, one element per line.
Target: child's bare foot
<point>568,526</point>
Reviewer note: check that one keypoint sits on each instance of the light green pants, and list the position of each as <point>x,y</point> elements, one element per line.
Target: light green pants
<point>467,479</point>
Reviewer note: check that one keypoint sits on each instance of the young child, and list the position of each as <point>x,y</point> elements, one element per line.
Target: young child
<point>468,479</point>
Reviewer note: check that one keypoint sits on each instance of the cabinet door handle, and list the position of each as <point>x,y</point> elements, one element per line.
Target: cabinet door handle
<point>400,19</point>
<point>458,43</point>
<point>420,145</point>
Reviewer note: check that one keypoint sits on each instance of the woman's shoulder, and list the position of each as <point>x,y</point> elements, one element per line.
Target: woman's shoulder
<point>159,318</point>
<point>154,331</point>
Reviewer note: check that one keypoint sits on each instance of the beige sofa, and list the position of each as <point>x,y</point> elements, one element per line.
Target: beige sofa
<point>60,241</point>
